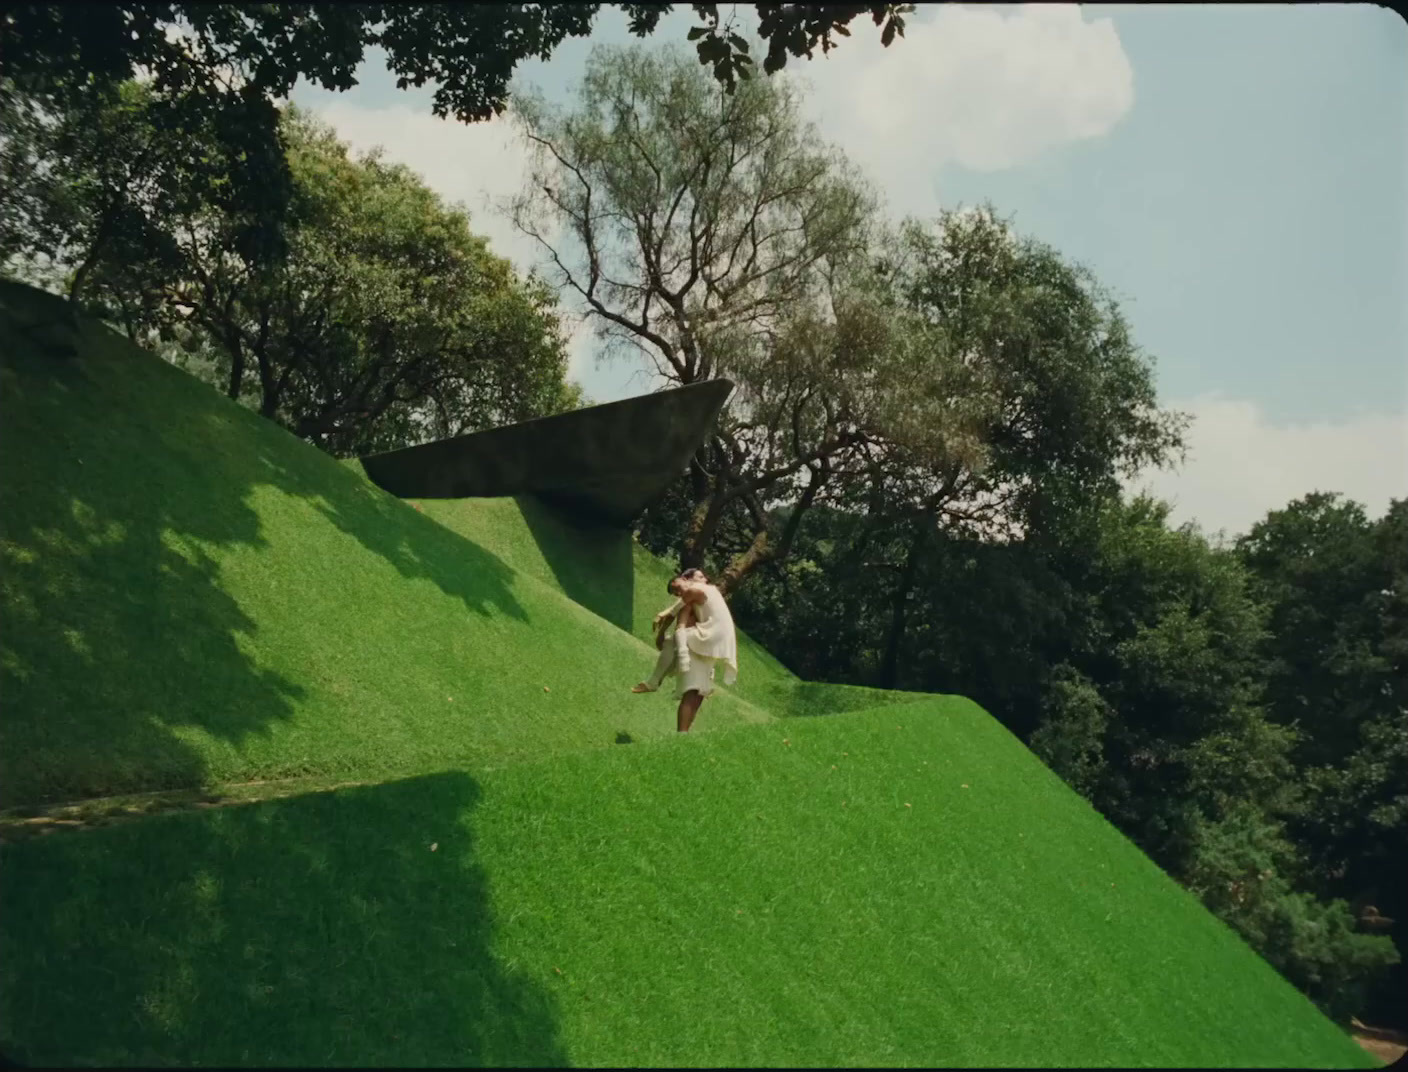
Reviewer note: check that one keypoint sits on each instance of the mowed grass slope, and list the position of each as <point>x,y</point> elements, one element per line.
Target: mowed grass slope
<point>903,886</point>
<point>190,595</point>
<point>605,570</point>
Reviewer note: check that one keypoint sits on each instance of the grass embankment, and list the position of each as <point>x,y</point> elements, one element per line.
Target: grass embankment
<point>193,597</point>
<point>609,573</point>
<point>898,887</point>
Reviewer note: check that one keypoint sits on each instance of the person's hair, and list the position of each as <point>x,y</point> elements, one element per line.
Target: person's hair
<point>687,575</point>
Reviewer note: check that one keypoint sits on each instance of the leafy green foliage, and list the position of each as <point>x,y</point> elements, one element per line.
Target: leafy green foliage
<point>103,182</point>
<point>468,50</point>
<point>1334,584</point>
<point>387,322</point>
<point>1062,397</point>
<point>1240,871</point>
<point>1071,738</point>
<point>221,65</point>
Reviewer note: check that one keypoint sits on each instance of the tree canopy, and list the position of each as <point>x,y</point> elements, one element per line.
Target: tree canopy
<point>222,65</point>
<point>717,235</point>
<point>388,322</point>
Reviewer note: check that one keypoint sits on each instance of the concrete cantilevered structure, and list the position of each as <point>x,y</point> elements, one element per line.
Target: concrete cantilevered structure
<point>607,462</point>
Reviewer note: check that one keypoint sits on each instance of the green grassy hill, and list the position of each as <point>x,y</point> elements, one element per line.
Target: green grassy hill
<point>193,596</point>
<point>193,599</point>
<point>609,573</point>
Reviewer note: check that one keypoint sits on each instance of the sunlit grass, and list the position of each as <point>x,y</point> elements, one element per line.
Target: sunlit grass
<point>192,598</point>
<point>905,886</point>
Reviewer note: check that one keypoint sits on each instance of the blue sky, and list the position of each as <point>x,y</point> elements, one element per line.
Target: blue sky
<point>1252,208</point>
<point>1238,175</point>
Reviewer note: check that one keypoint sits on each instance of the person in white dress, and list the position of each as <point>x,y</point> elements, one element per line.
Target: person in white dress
<point>669,659</point>
<point>704,637</point>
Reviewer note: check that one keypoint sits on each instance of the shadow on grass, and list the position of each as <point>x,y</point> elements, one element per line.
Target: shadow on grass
<point>807,698</point>
<point>124,478</point>
<point>591,561</point>
<point>314,931</point>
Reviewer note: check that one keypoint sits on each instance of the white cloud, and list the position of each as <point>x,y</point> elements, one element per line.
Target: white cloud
<point>476,164</point>
<point>1241,465</point>
<point>988,88</point>
<point>473,163</point>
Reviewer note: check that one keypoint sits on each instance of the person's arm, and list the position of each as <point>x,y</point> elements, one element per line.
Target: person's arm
<point>666,615</point>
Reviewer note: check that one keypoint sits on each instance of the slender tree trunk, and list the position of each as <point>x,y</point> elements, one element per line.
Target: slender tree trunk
<point>90,259</point>
<point>80,277</point>
<point>818,480</point>
<point>268,379</point>
<point>889,668</point>
<point>236,348</point>
<point>703,524</point>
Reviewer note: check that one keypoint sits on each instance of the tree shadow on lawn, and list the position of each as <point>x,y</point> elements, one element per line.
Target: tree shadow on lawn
<point>806,699</point>
<point>319,930</point>
<point>117,631</point>
<point>417,546</point>
<point>591,561</point>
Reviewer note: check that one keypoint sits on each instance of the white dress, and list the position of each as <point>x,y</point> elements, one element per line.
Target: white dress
<point>712,635</point>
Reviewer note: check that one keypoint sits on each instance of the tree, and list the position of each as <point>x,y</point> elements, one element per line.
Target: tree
<point>1317,566</point>
<point>1051,400</point>
<point>1333,582</point>
<point>715,235</point>
<point>1336,585</point>
<point>1169,637</point>
<point>469,50</point>
<point>222,65</point>
<point>387,323</point>
<point>99,181</point>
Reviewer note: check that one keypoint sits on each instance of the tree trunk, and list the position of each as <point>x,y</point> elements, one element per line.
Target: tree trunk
<point>818,479</point>
<point>759,551</point>
<point>236,348</point>
<point>268,379</point>
<point>702,525</point>
<point>100,240</point>
<point>889,668</point>
<point>80,277</point>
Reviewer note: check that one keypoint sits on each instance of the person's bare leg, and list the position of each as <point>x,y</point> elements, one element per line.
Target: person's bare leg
<point>689,707</point>
<point>664,663</point>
